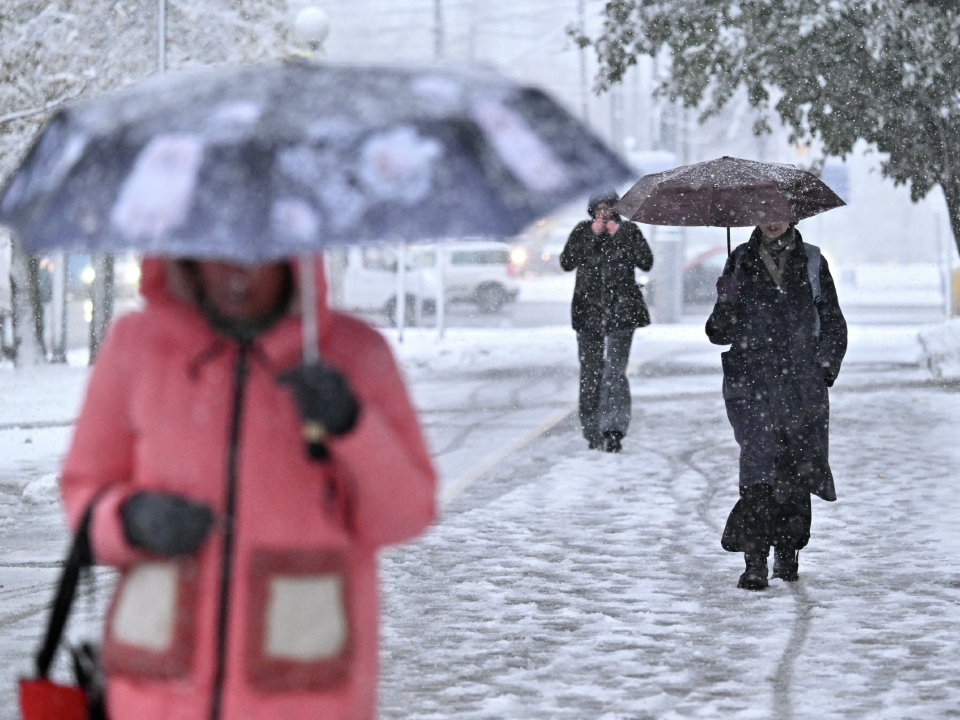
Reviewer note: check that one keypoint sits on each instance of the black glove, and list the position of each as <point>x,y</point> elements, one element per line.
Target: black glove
<point>327,404</point>
<point>829,374</point>
<point>728,288</point>
<point>165,524</point>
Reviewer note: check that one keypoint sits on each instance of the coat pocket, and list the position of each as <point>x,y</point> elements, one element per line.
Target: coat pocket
<point>736,383</point>
<point>300,624</point>
<point>151,622</point>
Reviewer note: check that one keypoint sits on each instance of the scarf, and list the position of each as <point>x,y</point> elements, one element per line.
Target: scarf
<point>782,246</point>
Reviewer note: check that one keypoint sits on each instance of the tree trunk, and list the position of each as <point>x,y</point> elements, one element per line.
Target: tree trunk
<point>102,302</point>
<point>37,311</point>
<point>28,344</point>
<point>951,191</point>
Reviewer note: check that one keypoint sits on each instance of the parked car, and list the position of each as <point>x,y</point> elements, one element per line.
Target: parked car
<point>699,278</point>
<point>81,274</point>
<point>474,271</point>
<point>700,275</point>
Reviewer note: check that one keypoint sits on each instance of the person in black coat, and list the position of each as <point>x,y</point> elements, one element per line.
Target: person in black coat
<point>777,308</point>
<point>607,307</point>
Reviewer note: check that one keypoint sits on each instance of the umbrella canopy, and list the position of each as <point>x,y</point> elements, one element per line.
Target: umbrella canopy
<point>727,192</point>
<point>265,162</point>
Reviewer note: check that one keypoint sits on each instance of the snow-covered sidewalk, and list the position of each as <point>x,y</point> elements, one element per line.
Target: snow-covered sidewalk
<point>562,583</point>
<point>572,584</point>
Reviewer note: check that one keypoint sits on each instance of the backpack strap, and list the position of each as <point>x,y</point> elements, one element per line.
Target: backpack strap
<point>814,258</point>
<point>813,269</point>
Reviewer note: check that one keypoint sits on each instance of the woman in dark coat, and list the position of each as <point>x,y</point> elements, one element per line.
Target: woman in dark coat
<point>777,308</point>
<point>607,307</point>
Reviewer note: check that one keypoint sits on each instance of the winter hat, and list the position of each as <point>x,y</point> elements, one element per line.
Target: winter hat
<point>607,197</point>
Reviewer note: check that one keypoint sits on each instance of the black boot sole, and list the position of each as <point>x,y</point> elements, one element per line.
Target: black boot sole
<point>785,575</point>
<point>787,570</point>
<point>752,582</point>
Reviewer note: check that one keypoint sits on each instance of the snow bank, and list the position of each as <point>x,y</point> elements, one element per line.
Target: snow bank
<point>869,344</point>
<point>941,349</point>
<point>483,349</point>
<point>42,491</point>
<point>498,349</point>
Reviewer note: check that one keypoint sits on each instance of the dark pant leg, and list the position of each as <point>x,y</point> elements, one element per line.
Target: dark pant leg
<point>791,526</point>
<point>759,521</point>
<point>758,440</point>
<point>590,347</point>
<point>615,401</point>
<point>759,513</point>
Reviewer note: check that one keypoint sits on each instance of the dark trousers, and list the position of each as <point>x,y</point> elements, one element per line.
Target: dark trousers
<point>758,521</point>
<point>604,388</point>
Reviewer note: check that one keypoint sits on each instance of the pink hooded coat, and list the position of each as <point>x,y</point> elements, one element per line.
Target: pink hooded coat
<point>278,619</point>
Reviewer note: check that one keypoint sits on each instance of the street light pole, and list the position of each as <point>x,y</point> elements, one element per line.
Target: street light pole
<point>438,30</point>
<point>584,110</point>
<point>309,26</point>
<point>441,291</point>
<point>309,23</point>
<point>58,314</point>
<point>161,36</point>
<point>400,306</point>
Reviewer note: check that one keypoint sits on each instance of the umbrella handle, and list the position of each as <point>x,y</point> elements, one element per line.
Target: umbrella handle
<point>729,251</point>
<point>308,310</point>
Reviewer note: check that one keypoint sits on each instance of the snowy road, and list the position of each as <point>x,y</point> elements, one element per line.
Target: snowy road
<point>562,583</point>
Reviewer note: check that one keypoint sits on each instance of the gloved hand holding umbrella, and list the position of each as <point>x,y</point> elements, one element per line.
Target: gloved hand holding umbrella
<point>327,404</point>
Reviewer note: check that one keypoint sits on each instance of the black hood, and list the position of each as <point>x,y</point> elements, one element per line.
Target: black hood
<point>609,197</point>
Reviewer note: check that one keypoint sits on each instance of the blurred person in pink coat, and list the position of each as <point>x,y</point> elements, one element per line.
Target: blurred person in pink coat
<point>243,498</point>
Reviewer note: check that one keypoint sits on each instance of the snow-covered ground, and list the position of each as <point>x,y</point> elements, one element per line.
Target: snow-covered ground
<point>941,349</point>
<point>566,583</point>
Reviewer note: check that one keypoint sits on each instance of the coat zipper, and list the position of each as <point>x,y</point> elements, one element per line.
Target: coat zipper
<point>226,564</point>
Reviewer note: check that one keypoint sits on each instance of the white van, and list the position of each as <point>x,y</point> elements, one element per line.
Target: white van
<point>474,271</point>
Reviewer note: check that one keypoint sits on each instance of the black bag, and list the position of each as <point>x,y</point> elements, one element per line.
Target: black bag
<point>39,697</point>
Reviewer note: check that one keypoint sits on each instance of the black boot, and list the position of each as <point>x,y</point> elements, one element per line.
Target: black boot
<point>611,441</point>
<point>786,564</point>
<point>755,576</point>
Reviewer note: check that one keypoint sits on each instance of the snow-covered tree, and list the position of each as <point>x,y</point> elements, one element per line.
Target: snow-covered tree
<point>886,71</point>
<point>58,50</point>
<point>62,49</point>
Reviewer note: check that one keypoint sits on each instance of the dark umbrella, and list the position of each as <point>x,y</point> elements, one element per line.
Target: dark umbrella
<point>727,192</point>
<point>266,162</point>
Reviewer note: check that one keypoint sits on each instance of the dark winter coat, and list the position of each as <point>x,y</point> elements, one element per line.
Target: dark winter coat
<point>606,297</point>
<point>777,370</point>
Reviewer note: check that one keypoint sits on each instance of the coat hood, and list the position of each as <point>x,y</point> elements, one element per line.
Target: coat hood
<point>171,408</point>
<point>162,284</point>
<point>609,197</point>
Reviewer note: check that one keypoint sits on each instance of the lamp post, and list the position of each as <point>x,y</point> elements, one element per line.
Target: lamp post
<point>309,23</point>
<point>438,38</point>
<point>584,94</point>
<point>161,36</point>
